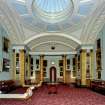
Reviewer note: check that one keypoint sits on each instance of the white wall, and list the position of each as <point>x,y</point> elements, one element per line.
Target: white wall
<point>5,76</point>
<point>51,59</point>
<point>54,59</point>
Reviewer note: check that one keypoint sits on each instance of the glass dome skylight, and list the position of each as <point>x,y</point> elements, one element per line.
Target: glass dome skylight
<point>52,5</point>
<point>52,10</point>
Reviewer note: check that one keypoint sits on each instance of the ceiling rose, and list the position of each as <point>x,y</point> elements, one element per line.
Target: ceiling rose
<point>52,11</point>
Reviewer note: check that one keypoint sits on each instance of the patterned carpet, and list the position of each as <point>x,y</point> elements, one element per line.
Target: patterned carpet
<point>65,96</point>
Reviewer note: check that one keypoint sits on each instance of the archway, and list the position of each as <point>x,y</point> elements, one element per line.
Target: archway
<point>52,75</point>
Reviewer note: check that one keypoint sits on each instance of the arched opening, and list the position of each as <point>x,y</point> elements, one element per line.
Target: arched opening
<point>52,75</point>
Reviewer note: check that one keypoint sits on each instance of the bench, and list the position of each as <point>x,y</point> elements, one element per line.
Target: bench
<point>98,85</point>
<point>7,86</point>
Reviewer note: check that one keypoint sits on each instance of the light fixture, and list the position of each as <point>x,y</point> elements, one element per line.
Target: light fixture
<point>52,47</point>
<point>52,62</point>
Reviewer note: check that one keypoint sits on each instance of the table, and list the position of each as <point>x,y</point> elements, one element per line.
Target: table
<point>52,88</point>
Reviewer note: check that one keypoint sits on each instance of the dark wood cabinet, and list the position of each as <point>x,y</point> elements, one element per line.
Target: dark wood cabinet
<point>98,59</point>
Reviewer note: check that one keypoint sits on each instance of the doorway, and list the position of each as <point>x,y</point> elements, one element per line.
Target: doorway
<point>52,75</point>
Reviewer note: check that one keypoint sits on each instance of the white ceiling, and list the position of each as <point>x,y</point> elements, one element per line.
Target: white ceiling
<point>26,27</point>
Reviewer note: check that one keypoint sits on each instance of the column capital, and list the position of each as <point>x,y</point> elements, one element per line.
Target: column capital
<point>64,56</point>
<point>23,50</point>
<point>82,50</point>
<point>41,55</point>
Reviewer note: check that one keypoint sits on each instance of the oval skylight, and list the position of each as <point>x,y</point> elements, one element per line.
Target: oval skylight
<point>52,10</point>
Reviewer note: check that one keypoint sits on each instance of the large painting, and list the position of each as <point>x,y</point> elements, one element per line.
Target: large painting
<point>5,44</point>
<point>6,65</point>
<point>1,65</point>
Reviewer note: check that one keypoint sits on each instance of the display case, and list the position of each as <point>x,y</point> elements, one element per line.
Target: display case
<point>6,65</point>
<point>37,64</point>
<point>6,43</point>
<point>32,67</point>
<point>74,67</point>
<point>61,67</point>
<point>5,51</point>
<point>78,67</point>
<point>26,66</point>
<point>68,64</point>
<point>44,72</point>
<point>44,68</point>
<point>45,63</point>
<point>88,63</point>
<point>98,59</point>
<point>17,64</point>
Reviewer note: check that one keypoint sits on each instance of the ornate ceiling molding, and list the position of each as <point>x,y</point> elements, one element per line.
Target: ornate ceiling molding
<point>54,34</point>
<point>91,27</point>
<point>55,42</point>
<point>53,53</point>
<point>12,22</point>
<point>94,25</point>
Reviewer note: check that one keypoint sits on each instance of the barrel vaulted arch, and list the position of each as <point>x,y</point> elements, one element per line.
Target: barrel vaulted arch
<point>11,22</point>
<point>90,24</point>
<point>94,25</point>
<point>51,42</point>
<point>52,37</point>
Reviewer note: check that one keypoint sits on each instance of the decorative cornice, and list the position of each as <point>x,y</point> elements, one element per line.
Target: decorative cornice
<point>53,53</point>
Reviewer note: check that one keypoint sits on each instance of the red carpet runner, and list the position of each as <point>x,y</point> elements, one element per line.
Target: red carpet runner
<point>65,96</point>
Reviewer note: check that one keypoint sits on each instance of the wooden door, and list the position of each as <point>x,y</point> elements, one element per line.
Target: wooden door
<point>52,74</point>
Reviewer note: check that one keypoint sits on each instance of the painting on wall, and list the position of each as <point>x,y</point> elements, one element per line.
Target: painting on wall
<point>98,55</point>
<point>1,65</point>
<point>6,65</point>
<point>5,44</point>
<point>45,63</point>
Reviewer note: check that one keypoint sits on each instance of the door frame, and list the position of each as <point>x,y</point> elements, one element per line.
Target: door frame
<point>55,76</point>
